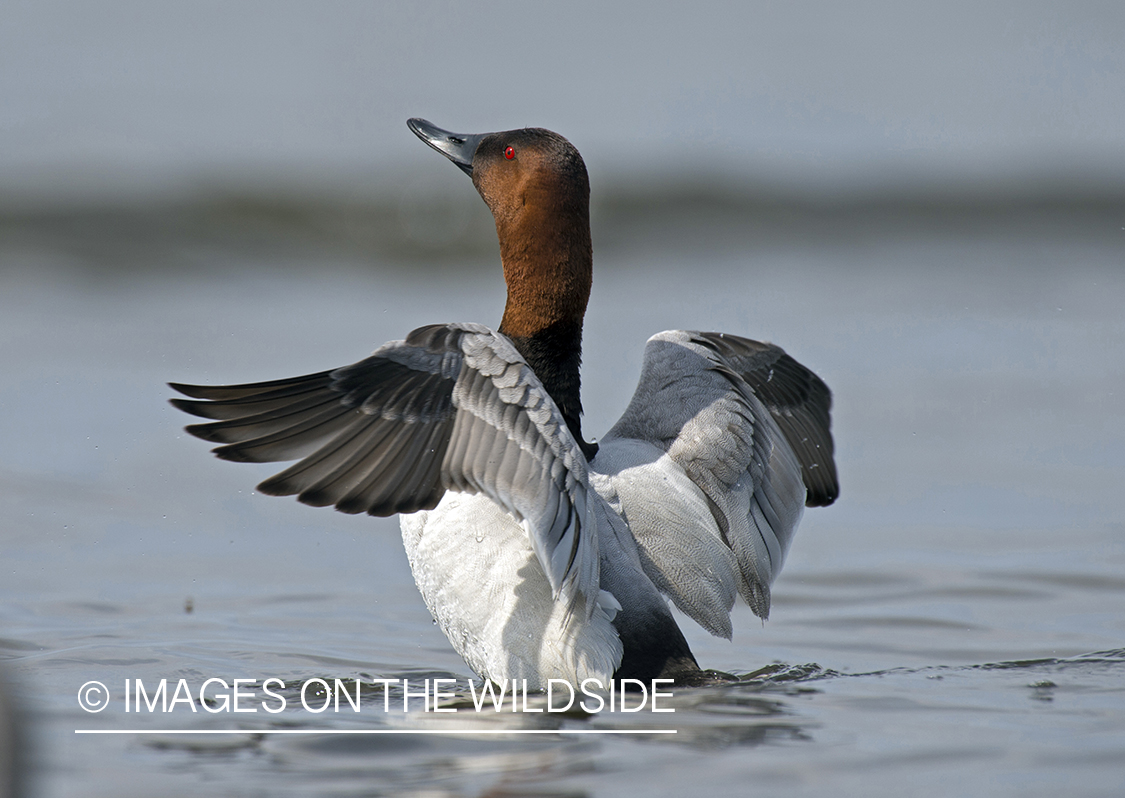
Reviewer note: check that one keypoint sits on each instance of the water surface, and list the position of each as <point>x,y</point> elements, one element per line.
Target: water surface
<point>952,625</point>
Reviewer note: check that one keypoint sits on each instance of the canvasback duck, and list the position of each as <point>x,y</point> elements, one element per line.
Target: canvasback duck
<point>541,555</point>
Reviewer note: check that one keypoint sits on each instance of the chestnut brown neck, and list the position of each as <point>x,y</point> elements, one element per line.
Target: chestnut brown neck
<point>548,267</point>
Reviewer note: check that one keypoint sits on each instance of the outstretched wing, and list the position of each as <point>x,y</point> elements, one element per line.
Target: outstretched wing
<point>738,432</point>
<point>453,407</point>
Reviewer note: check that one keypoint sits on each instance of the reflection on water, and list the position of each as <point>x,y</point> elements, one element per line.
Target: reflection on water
<point>949,601</point>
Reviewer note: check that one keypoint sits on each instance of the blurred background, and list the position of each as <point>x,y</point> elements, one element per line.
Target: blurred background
<point>135,107</point>
<point>924,203</point>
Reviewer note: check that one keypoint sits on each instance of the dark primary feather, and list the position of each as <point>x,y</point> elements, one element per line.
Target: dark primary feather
<point>372,435</point>
<point>799,402</point>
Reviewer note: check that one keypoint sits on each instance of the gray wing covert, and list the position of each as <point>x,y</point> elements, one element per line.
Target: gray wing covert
<point>452,407</point>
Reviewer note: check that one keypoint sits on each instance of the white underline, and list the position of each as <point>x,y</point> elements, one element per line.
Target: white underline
<point>375,731</point>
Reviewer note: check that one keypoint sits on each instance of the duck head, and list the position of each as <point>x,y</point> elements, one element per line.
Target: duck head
<point>535,183</point>
<point>520,174</point>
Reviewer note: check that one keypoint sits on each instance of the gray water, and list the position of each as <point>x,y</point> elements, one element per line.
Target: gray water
<point>952,626</point>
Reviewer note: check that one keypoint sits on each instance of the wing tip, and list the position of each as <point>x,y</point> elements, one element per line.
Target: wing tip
<point>821,495</point>
<point>821,499</point>
<point>194,391</point>
<point>204,432</point>
<point>274,487</point>
<point>233,453</point>
<point>192,407</point>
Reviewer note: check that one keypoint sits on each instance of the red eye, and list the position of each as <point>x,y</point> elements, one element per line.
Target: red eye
<point>509,153</point>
